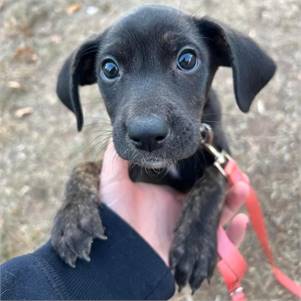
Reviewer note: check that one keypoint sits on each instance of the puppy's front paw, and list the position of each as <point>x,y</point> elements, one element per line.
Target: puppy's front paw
<point>193,256</point>
<point>75,227</point>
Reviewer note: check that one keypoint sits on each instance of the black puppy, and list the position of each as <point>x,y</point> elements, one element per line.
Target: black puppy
<point>154,69</point>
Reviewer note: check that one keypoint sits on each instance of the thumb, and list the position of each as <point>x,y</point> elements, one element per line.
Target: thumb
<point>237,228</point>
<point>114,168</point>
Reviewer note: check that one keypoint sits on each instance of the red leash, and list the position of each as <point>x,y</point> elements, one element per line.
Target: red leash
<point>232,265</point>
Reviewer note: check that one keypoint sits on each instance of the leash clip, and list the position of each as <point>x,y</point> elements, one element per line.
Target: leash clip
<point>221,157</point>
<point>238,295</point>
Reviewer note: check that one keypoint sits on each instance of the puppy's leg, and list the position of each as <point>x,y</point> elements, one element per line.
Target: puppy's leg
<point>193,254</point>
<point>78,222</point>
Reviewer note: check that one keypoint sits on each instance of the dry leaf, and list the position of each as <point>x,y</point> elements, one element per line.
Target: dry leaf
<point>56,39</point>
<point>14,85</point>
<point>26,54</point>
<point>73,8</point>
<point>22,112</point>
<point>92,10</point>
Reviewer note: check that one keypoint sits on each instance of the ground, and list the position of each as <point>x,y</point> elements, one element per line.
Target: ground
<point>39,144</point>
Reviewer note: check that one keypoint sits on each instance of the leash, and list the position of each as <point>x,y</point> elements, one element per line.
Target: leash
<point>232,265</point>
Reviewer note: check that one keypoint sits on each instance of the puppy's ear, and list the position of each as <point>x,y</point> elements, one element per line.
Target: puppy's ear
<point>78,70</point>
<point>252,67</point>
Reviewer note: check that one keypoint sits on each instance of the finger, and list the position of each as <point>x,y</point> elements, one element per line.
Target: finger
<point>234,200</point>
<point>237,228</point>
<point>114,168</point>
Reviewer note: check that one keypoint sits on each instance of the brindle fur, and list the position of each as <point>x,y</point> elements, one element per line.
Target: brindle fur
<point>78,222</point>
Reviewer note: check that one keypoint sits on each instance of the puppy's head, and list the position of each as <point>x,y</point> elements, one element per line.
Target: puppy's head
<point>154,69</point>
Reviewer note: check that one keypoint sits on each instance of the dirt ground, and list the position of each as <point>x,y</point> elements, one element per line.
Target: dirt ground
<point>39,144</point>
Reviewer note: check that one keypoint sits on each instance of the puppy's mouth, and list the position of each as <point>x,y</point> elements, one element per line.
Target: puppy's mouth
<point>155,165</point>
<point>150,161</point>
<point>160,159</point>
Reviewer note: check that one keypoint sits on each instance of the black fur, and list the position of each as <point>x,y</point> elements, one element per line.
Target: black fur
<point>146,44</point>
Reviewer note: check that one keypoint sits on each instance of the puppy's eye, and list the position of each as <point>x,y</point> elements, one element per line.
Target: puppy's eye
<point>187,60</point>
<point>110,69</point>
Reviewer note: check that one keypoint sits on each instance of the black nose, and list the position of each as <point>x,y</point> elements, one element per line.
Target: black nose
<point>147,133</point>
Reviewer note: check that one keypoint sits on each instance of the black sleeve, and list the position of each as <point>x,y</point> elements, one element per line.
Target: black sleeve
<point>122,267</point>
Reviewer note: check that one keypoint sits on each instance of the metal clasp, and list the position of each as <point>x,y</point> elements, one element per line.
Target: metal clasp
<point>221,157</point>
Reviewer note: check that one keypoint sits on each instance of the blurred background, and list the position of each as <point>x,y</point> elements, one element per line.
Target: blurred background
<point>39,143</point>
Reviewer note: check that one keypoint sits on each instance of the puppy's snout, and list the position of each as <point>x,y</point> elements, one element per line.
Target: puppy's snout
<point>148,132</point>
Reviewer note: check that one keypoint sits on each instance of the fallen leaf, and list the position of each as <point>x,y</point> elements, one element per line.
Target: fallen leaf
<point>22,112</point>
<point>26,54</point>
<point>260,107</point>
<point>73,8</point>
<point>92,10</point>
<point>56,39</point>
<point>14,85</point>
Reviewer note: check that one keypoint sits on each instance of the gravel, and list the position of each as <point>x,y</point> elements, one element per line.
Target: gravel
<point>39,144</point>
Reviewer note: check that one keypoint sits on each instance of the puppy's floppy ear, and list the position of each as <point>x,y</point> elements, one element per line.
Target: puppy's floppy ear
<point>252,67</point>
<point>78,70</point>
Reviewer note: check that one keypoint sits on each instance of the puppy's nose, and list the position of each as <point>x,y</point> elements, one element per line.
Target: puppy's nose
<point>147,133</point>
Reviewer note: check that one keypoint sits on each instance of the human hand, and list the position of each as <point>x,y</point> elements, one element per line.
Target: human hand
<point>154,210</point>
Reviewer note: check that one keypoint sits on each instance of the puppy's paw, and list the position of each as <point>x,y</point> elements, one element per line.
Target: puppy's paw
<point>193,256</point>
<point>75,227</point>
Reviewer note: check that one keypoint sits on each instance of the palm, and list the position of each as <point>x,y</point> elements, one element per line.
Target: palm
<point>153,210</point>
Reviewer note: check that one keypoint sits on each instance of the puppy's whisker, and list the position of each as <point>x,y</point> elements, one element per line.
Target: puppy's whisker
<point>99,131</point>
<point>98,142</point>
<point>89,50</point>
<point>96,129</point>
<point>98,123</point>
<point>98,148</point>
<point>213,121</point>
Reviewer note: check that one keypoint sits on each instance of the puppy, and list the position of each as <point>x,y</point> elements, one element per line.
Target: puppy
<point>154,69</point>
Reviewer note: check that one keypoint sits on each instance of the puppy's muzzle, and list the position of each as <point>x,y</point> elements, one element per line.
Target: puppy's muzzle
<point>147,133</point>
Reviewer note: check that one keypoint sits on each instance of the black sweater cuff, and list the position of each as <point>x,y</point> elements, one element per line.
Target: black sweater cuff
<point>122,267</point>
